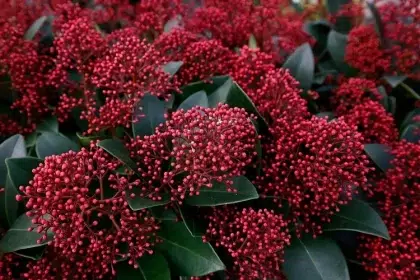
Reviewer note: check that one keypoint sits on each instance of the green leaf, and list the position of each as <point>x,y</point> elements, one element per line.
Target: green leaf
<point>172,67</point>
<point>411,133</point>
<point>197,99</point>
<point>208,86</point>
<point>319,30</point>
<point>329,115</point>
<point>85,140</point>
<point>360,217</point>
<point>163,213</point>
<point>138,203</point>
<point>12,147</point>
<point>378,22</point>
<point>187,255</point>
<point>232,94</point>
<point>50,143</point>
<point>409,119</point>
<point>19,172</point>
<point>117,149</point>
<point>18,237</point>
<point>334,6</point>
<point>148,115</point>
<point>301,65</point>
<point>34,28</point>
<point>380,155</point>
<point>151,267</point>
<point>394,81</point>
<point>48,125</point>
<point>336,45</point>
<point>218,195</point>
<point>252,43</point>
<point>196,226</point>
<point>31,253</point>
<point>314,259</point>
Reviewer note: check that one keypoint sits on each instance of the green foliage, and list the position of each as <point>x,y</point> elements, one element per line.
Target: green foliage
<point>315,259</point>
<point>50,143</point>
<point>360,217</point>
<point>117,149</point>
<point>380,155</point>
<point>301,65</point>
<point>148,115</point>
<point>187,255</point>
<point>151,267</point>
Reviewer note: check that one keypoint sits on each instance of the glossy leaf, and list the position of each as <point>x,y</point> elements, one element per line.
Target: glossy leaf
<point>50,143</point>
<point>197,99</point>
<point>195,225</point>
<point>138,203</point>
<point>409,119</point>
<point>314,259</point>
<point>18,237</point>
<point>252,42</point>
<point>85,140</point>
<point>148,114</point>
<point>117,149</point>
<point>151,267</point>
<point>218,194</point>
<point>232,94</point>
<point>48,125</point>
<point>378,23</point>
<point>172,67</point>
<point>336,45</point>
<point>394,81</point>
<point>301,65</point>
<point>380,155</point>
<point>187,255</point>
<point>360,217</point>
<point>329,115</point>
<point>411,133</point>
<point>34,28</point>
<point>19,172</point>
<point>12,147</point>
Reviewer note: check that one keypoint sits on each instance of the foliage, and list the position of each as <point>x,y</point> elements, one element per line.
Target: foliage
<point>242,139</point>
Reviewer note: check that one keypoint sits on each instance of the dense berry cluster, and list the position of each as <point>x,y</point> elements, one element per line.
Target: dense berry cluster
<point>254,239</point>
<point>400,192</point>
<point>314,169</point>
<point>204,145</point>
<point>67,197</point>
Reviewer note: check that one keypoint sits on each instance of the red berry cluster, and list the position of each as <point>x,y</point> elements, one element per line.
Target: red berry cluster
<point>400,199</point>
<point>203,145</point>
<point>254,239</point>
<point>314,167</point>
<point>92,229</point>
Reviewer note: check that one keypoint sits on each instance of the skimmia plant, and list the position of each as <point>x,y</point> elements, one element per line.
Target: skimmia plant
<point>213,139</point>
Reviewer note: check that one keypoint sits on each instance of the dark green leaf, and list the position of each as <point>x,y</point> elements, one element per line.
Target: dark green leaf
<point>50,143</point>
<point>380,155</point>
<point>34,28</point>
<point>12,147</point>
<point>358,216</point>
<point>172,67</point>
<point>218,194</point>
<point>138,203</point>
<point>85,140</point>
<point>187,255</point>
<point>409,119</point>
<point>392,104</point>
<point>117,149</point>
<point>378,22</point>
<point>394,81</point>
<point>314,259</point>
<point>329,115</point>
<point>336,45</point>
<point>195,225</point>
<point>232,94</point>
<point>208,87</point>
<point>301,64</point>
<point>30,139</point>
<point>411,133</point>
<point>162,213</point>
<point>148,115</point>
<point>151,267</point>
<point>334,6</point>
<point>48,125</point>
<point>31,253</point>
<point>197,99</point>
<point>172,24</point>
<point>18,237</point>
